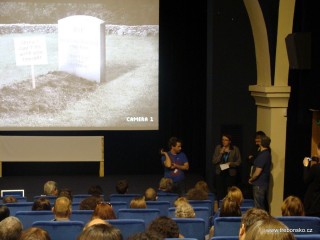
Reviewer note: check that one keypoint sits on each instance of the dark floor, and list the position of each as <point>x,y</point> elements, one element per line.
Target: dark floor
<point>33,185</point>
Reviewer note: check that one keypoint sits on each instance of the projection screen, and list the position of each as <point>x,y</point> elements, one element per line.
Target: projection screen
<point>79,65</point>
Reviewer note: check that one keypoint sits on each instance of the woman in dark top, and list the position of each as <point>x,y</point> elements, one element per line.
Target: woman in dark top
<point>311,176</point>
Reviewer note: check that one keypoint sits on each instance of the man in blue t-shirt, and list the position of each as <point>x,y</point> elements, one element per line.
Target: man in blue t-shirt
<point>261,175</point>
<point>175,163</point>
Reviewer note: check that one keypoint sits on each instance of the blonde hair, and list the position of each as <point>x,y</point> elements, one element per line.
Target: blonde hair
<point>236,194</point>
<point>292,206</point>
<point>166,184</point>
<point>180,200</point>
<point>150,194</point>
<point>138,202</point>
<point>185,210</point>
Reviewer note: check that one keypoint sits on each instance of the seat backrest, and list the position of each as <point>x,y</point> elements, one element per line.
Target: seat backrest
<point>118,205</point>
<point>28,217</point>
<point>52,199</point>
<point>227,226</point>
<point>128,227</point>
<point>146,214</point>
<point>191,227</point>
<point>75,205</point>
<point>212,197</point>
<point>123,197</point>
<point>19,206</point>
<point>302,224</point>
<point>170,197</point>
<point>81,215</point>
<point>202,203</point>
<point>307,237</point>
<point>59,230</point>
<point>161,205</point>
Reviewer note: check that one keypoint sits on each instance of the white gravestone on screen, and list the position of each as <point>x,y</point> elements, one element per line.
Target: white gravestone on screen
<point>81,41</point>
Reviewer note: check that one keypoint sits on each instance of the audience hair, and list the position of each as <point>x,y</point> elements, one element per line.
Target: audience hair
<point>4,212</point>
<point>165,226</point>
<point>180,200</point>
<point>122,186</point>
<point>146,235</point>
<point>166,184</point>
<point>90,203</point>
<point>95,190</point>
<point>138,202</point>
<point>235,193</point>
<point>184,210</point>
<point>10,228</point>
<point>66,192</point>
<point>94,222</point>
<point>103,211</point>
<point>292,206</point>
<point>230,208</point>
<point>197,194</point>
<point>34,233</point>
<point>62,207</point>
<point>150,194</point>
<point>9,199</point>
<point>41,204</point>
<point>202,185</point>
<point>50,188</point>
<point>101,232</point>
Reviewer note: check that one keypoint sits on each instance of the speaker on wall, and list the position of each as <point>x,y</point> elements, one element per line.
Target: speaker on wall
<point>299,50</point>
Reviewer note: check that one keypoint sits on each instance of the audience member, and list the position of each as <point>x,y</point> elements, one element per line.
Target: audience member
<point>50,188</point>
<point>236,194</point>
<point>165,185</point>
<point>292,206</point>
<point>203,185</point>
<point>10,228</point>
<point>150,194</point>
<point>311,177</point>
<point>269,229</point>
<point>197,194</point>
<point>65,192</point>
<point>90,203</point>
<point>95,221</point>
<point>180,200</point>
<point>95,190</point>
<point>34,233</point>
<point>122,186</point>
<point>4,212</point>
<point>165,226</point>
<point>103,211</point>
<point>226,160</point>
<point>62,209</point>
<point>9,199</point>
<point>184,210</point>
<point>41,204</point>
<point>230,208</point>
<point>100,232</point>
<point>249,218</point>
<point>146,235</point>
<point>138,202</point>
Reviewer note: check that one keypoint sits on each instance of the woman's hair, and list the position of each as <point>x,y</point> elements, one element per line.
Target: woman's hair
<point>230,208</point>
<point>95,190</point>
<point>100,232</point>
<point>180,200</point>
<point>122,186</point>
<point>138,202</point>
<point>166,226</point>
<point>34,233</point>
<point>103,211</point>
<point>184,210</point>
<point>236,194</point>
<point>9,199</point>
<point>268,229</point>
<point>166,184</point>
<point>41,204</point>
<point>90,203</point>
<point>202,185</point>
<point>197,194</point>
<point>292,206</point>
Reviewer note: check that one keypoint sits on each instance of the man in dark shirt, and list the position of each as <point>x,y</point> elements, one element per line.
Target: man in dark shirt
<point>261,175</point>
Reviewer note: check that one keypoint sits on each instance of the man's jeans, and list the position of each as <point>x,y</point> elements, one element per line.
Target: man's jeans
<point>260,197</point>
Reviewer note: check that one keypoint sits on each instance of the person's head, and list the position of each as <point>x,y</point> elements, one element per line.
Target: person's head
<point>202,185</point>
<point>138,202</point>
<point>100,232</point>
<point>249,218</point>
<point>95,190</point>
<point>104,211</point>
<point>65,192</point>
<point>184,210</point>
<point>258,137</point>
<point>41,204</point>
<point>62,208</point>
<point>150,194</point>
<point>180,200</point>
<point>90,203</point>
<point>268,229</point>
<point>122,186</point>
<point>236,194</point>
<point>50,188</point>
<point>226,140</point>
<point>34,233</point>
<point>4,212</point>
<point>265,141</point>
<point>197,194</point>
<point>10,228</point>
<point>95,221</point>
<point>166,184</point>
<point>292,206</point>
<point>165,226</point>
<point>230,208</point>
<point>146,235</point>
<point>175,145</point>
<point>9,199</point>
